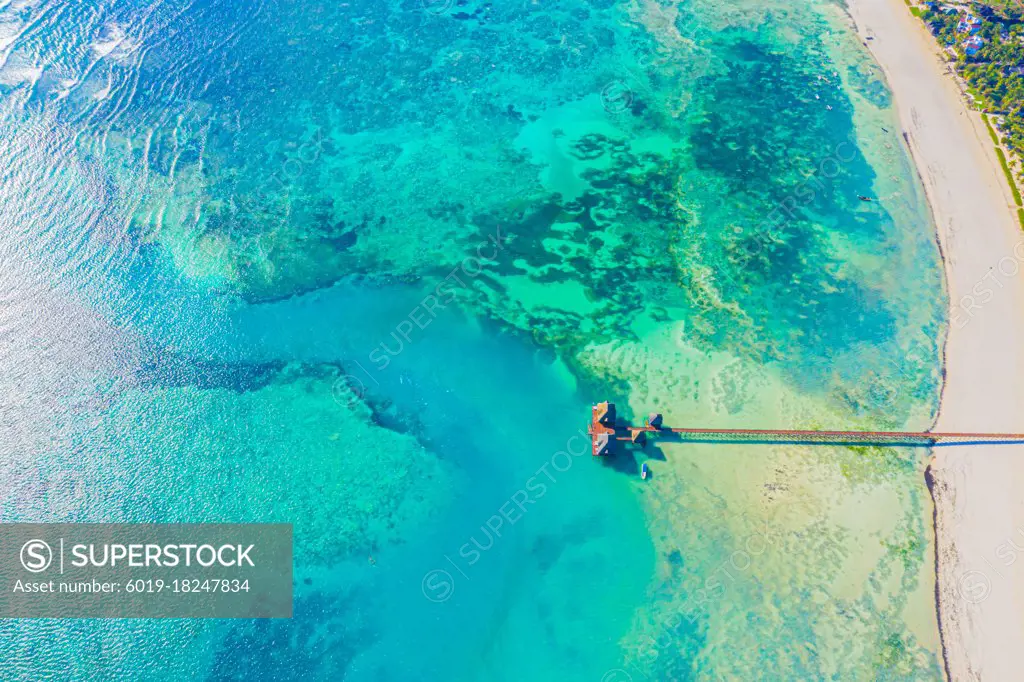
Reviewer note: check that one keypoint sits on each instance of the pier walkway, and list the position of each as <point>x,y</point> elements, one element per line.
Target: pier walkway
<point>605,430</point>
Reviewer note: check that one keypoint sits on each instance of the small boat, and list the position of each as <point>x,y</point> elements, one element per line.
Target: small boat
<point>863,198</point>
<point>644,471</point>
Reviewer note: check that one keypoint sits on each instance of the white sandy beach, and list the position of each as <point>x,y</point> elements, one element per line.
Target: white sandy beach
<point>978,491</point>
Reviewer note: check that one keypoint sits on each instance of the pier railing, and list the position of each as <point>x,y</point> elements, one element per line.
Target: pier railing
<point>920,438</point>
<point>605,429</point>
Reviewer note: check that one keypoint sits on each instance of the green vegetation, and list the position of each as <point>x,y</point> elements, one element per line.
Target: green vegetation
<point>991,131</point>
<point>860,464</point>
<point>994,73</point>
<point>1009,175</point>
<point>979,98</point>
<point>896,658</point>
<point>909,552</point>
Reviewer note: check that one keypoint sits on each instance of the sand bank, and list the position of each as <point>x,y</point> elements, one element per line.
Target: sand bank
<point>978,492</point>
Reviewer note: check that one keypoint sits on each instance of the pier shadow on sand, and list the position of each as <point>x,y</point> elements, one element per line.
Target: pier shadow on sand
<point>626,458</point>
<point>845,442</point>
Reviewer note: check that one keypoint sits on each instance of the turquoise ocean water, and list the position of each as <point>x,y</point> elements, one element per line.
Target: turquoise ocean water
<point>363,266</point>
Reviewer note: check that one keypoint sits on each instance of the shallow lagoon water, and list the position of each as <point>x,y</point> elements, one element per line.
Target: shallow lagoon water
<point>216,213</point>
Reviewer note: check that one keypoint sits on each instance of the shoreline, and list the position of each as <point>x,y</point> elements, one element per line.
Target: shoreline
<point>977,512</point>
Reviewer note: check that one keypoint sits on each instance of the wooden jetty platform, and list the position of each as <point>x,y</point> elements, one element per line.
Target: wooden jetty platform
<point>606,429</point>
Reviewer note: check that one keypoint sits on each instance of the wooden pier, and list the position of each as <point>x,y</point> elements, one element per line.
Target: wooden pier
<point>605,430</point>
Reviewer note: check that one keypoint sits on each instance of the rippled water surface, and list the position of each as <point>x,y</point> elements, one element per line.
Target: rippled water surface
<point>362,267</point>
